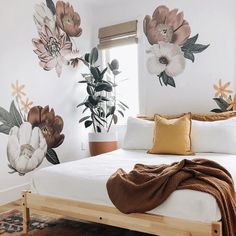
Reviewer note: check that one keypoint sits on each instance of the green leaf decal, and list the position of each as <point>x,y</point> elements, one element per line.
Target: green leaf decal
<point>191,41</point>
<point>5,129</point>
<point>51,156</point>
<point>223,105</point>
<point>51,6</point>
<point>5,117</point>
<point>167,80</point>
<point>190,56</point>
<point>15,115</point>
<point>197,48</point>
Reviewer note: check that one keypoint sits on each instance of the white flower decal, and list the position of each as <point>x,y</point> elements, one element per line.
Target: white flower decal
<point>26,148</point>
<point>166,57</point>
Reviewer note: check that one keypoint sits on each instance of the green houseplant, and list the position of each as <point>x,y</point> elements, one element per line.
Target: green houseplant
<point>101,105</point>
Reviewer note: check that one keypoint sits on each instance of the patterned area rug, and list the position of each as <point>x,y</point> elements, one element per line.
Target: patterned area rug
<point>11,225</point>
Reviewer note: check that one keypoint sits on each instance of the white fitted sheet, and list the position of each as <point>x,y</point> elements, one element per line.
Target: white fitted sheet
<point>85,180</point>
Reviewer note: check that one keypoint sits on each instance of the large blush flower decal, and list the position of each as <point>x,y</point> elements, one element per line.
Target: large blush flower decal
<point>166,26</point>
<point>67,19</point>
<point>169,33</point>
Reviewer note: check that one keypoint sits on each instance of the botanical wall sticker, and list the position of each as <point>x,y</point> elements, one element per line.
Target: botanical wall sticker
<point>223,97</point>
<point>57,25</point>
<point>169,34</point>
<point>33,132</point>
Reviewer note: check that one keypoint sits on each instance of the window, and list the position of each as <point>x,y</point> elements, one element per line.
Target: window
<point>127,81</point>
<point>120,42</point>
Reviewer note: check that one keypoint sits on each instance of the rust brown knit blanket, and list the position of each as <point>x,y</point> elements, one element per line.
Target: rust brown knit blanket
<point>146,187</point>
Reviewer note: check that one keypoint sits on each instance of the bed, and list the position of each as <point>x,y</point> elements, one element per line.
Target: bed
<point>78,189</point>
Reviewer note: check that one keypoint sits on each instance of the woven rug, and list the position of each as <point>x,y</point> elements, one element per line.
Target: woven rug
<point>11,225</point>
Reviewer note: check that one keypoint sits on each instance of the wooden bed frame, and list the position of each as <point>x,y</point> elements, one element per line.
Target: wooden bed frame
<point>147,223</point>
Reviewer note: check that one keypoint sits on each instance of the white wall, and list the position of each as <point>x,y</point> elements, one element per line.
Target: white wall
<point>19,62</point>
<point>215,21</point>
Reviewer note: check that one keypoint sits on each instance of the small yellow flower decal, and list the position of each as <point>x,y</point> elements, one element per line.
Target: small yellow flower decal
<point>26,105</point>
<point>18,90</point>
<point>221,90</point>
<point>232,104</point>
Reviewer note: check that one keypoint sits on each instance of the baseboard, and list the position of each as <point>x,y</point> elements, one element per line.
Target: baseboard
<point>12,194</point>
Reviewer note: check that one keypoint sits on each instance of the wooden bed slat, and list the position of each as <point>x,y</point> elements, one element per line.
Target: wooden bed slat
<point>148,223</point>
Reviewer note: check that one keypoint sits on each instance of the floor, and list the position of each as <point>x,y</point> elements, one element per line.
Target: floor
<point>17,206</point>
<point>11,206</point>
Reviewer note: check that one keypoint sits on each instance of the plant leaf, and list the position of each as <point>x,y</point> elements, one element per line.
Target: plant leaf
<point>87,123</point>
<point>85,109</point>
<point>124,104</point>
<point>115,119</point>
<point>51,156</point>
<point>51,6</point>
<point>217,110</point>
<point>5,129</point>
<point>15,115</point>
<point>114,64</point>
<point>223,105</point>
<point>93,57</point>
<point>103,87</point>
<point>121,113</point>
<point>99,129</point>
<point>95,73</point>
<point>86,57</point>
<point>197,48</point>
<point>89,90</point>
<point>81,104</point>
<point>83,119</point>
<point>189,55</point>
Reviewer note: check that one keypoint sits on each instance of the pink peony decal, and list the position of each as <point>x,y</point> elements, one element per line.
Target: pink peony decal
<point>51,48</point>
<point>55,25</point>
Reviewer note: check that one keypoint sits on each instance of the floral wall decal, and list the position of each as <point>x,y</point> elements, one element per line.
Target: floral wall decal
<point>33,132</point>
<point>56,26</point>
<point>223,97</point>
<point>169,34</point>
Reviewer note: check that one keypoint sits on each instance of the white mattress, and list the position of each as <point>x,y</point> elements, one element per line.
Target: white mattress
<point>85,180</point>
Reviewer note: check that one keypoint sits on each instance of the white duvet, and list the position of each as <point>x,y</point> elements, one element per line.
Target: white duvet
<point>85,180</point>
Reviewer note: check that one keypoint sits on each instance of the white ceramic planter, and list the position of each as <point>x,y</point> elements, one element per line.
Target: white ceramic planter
<point>100,143</point>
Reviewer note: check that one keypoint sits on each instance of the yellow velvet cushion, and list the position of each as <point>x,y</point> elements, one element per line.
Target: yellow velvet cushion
<point>172,136</point>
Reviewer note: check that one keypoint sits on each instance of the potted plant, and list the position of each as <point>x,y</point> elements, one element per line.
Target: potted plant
<point>101,103</point>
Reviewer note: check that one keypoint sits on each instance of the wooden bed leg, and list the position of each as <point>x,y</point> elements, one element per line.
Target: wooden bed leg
<point>25,213</point>
<point>216,229</point>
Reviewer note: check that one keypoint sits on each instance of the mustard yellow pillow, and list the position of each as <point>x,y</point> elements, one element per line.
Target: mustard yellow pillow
<point>172,136</point>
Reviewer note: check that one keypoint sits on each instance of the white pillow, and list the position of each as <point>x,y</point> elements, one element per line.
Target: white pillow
<point>139,134</point>
<point>215,136</point>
